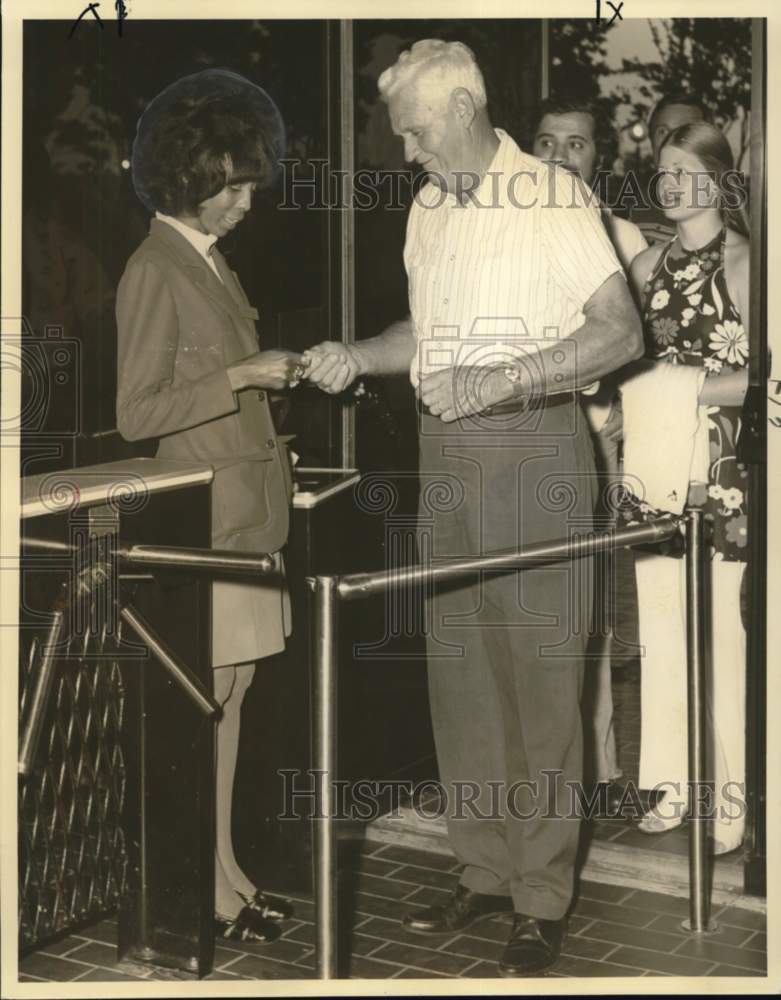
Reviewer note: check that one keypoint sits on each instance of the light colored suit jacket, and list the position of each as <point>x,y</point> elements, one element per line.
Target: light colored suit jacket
<point>179,328</point>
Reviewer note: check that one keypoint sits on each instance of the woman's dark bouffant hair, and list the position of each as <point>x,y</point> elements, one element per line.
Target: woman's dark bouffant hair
<point>201,133</point>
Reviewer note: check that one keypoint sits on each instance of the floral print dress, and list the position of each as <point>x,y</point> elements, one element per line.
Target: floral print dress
<point>690,319</point>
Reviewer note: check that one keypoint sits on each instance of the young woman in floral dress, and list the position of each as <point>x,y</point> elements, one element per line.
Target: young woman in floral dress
<point>694,294</point>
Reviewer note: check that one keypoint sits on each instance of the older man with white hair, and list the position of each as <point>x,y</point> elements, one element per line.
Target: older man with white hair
<point>516,301</point>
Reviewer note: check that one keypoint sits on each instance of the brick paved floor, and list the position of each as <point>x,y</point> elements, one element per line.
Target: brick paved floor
<point>613,931</point>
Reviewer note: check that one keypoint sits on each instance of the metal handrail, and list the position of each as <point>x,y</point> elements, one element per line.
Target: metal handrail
<point>357,585</point>
<point>328,590</point>
<point>176,557</point>
<point>224,560</point>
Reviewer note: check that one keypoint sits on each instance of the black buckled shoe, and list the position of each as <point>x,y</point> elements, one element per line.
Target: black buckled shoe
<point>534,945</point>
<point>463,909</point>
<point>268,906</point>
<point>248,925</point>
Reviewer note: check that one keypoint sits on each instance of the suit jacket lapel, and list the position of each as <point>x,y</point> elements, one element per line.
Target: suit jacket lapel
<point>229,282</point>
<point>226,295</point>
<point>246,330</point>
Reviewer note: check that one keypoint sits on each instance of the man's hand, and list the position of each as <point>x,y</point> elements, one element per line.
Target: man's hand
<point>332,366</point>
<point>461,392</point>
<point>277,369</point>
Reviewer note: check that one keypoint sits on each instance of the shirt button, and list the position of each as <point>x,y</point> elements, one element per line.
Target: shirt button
<point>261,395</point>
<point>271,443</point>
<point>452,256</point>
<point>445,301</point>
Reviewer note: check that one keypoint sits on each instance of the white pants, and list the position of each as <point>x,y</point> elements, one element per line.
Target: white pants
<point>661,586</point>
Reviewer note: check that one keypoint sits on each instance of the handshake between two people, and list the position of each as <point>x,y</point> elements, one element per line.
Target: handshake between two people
<point>450,394</point>
<point>331,366</point>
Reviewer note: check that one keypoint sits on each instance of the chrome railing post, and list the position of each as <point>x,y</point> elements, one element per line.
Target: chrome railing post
<point>324,704</point>
<point>695,664</point>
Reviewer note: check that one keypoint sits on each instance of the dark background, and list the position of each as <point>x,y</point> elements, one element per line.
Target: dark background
<point>83,94</point>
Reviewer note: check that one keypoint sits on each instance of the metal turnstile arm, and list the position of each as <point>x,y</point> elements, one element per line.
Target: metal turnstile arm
<point>179,673</point>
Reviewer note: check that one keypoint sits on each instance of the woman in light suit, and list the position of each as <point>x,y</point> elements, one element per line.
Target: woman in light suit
<point>190,373</point>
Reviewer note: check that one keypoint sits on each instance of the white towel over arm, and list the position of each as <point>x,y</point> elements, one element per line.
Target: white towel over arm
<point>665,434</point>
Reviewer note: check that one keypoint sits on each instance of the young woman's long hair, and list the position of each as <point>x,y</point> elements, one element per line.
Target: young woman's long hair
<point>709,144</point>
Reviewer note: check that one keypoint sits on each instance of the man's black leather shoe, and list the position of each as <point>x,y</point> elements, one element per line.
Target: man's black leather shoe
<point>534,945</point>
<point>463,909</point>
<point>609,798</point>
<point>615,797</point>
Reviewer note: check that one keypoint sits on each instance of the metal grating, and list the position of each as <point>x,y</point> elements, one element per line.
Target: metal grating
<point>72,856</point>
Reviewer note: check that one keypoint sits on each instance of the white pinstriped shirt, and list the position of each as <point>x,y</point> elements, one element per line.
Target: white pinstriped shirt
<point>516,263</point>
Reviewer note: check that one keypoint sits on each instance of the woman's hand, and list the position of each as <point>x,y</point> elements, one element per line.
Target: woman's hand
<point>277,369</point>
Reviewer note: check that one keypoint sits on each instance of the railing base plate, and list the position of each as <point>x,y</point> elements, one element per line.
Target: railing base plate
<point>712,927</point>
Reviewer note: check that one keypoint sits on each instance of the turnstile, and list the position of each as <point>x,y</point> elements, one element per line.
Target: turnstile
<point>116,800</point>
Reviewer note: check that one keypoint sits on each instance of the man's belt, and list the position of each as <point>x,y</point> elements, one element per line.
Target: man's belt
<point>518,404</point>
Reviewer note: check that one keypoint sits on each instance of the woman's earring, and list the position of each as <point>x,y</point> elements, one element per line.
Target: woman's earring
<point>717,198</point>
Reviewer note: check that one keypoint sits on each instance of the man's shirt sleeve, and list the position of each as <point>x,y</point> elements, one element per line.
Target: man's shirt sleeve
<point>573,238</point>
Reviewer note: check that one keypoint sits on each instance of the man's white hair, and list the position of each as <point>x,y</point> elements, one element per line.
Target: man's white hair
<point>439,66</point>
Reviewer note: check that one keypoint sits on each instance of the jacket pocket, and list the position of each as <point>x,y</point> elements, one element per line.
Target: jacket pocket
<point>240,500</point>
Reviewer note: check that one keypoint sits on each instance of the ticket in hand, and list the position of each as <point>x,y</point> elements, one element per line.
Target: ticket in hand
<point>300,370</point>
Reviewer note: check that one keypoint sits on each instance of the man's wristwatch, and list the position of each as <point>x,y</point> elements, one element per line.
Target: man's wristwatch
<point>519,400</point>
<point>512,374</point>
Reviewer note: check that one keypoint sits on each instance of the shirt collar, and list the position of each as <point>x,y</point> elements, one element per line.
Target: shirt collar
<point>502,163</point>
<point>202,242</point>
<point>494,183</point>
<point>503,155</point>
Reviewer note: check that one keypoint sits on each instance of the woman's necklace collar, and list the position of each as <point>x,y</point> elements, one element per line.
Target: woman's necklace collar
<point>703,258</point>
